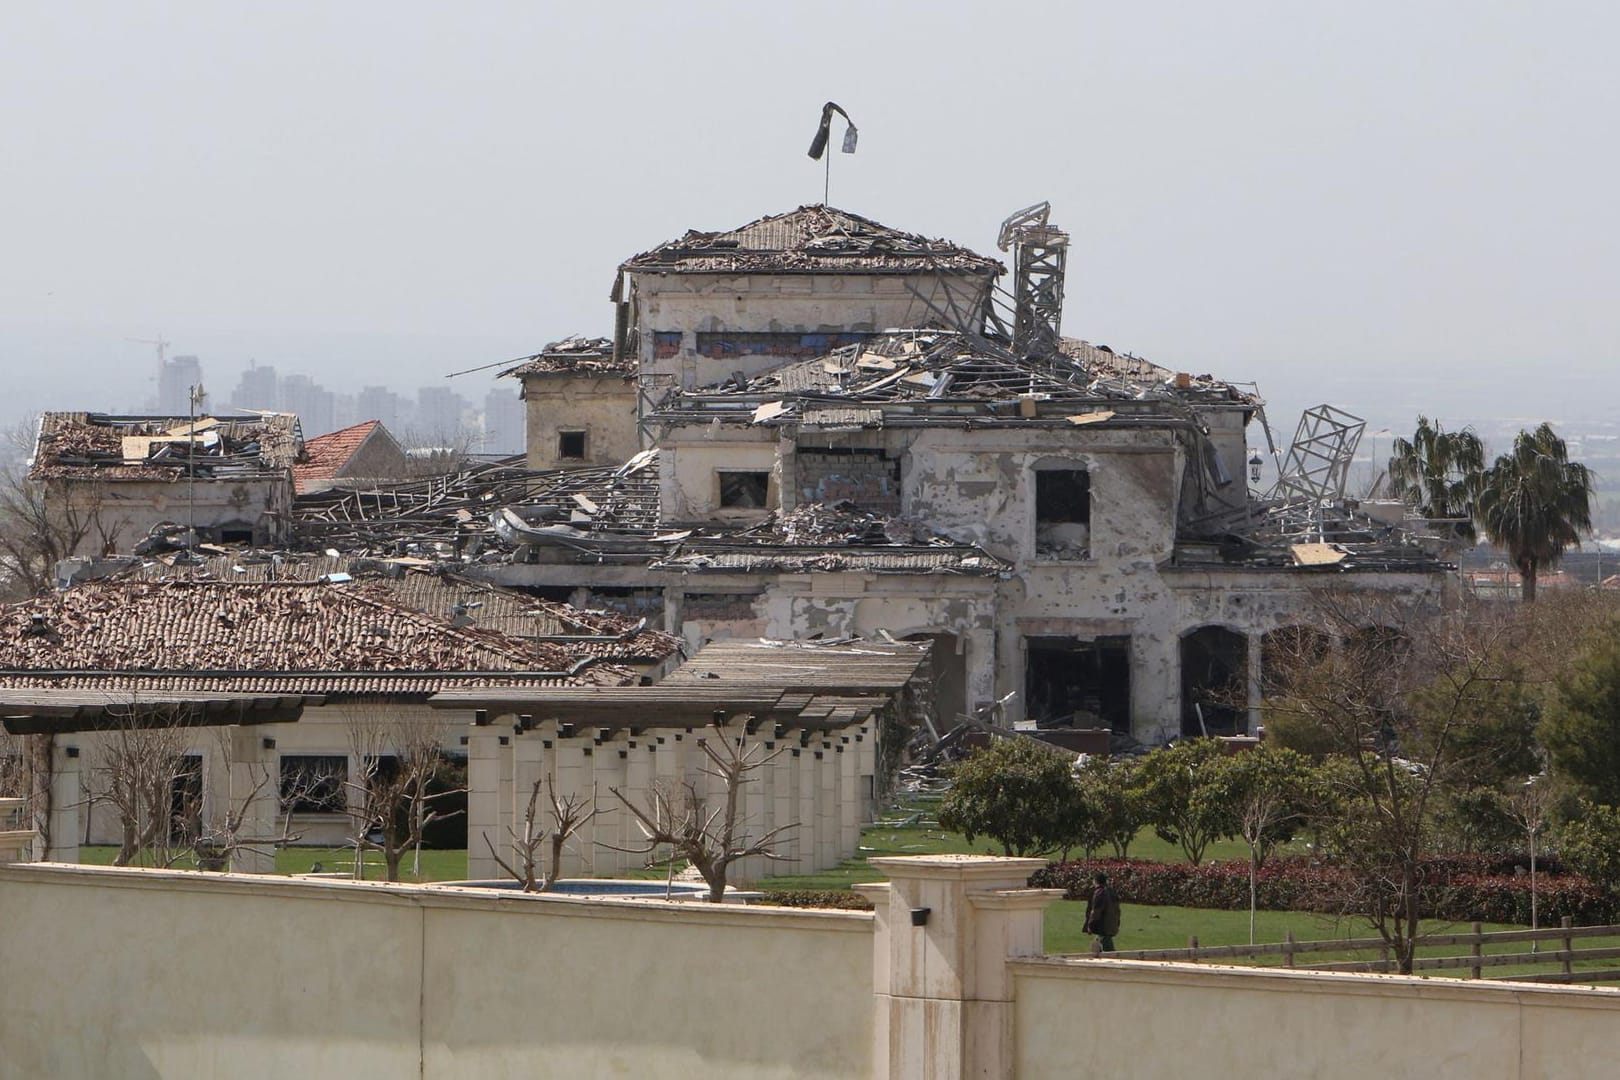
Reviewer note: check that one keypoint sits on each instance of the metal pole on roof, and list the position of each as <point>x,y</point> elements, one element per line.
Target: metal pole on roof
<point>195,396</point>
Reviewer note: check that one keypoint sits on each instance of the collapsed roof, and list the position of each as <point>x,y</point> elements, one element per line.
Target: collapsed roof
<point>79,445</point>
<point>922,373</point>
<point>812,238</point>
<point>578,355</point>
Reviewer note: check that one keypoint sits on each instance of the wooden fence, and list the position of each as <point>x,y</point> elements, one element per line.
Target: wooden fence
<point>1565,956</point>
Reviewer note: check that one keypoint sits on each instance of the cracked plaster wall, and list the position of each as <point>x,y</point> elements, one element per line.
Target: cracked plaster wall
<point>602,407</point>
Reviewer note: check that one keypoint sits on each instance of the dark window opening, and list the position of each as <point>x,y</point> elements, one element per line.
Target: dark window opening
<point>744,490</point>
<point>1063,513</point>
<point>313,783</point>
<point>571,445</point>
<point>1079,682</point>
<point>719,607</point>
<point>236,536</point>
<point>1214,682</point>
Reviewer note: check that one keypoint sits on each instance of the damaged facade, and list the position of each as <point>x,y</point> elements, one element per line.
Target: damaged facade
<point>1065,523</point>
<point>579,404</point>
<point>122,476</point>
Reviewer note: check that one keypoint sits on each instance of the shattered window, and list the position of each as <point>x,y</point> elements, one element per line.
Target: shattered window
<point>1063,513</point>
<point>313,783</point>
<point>571,444</point>
<point>744,490</point>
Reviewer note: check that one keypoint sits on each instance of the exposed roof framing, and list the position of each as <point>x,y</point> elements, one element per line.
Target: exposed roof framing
<point>107,447</point>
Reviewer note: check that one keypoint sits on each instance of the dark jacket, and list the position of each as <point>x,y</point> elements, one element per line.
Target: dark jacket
<point>1102,912</point>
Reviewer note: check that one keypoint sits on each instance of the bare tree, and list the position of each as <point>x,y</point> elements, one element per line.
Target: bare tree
<point>140,769</point>
<point>38,527</point>
<point>1396,701</point>
<point>223,831</point>
<point>394,796</point>
<point>677,817</point>
<point>568,813</point>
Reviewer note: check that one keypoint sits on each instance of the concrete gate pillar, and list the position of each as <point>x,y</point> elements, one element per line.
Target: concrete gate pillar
<point>946,926</point>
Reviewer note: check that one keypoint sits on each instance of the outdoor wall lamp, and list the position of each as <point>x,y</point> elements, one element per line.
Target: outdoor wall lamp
<point>1254,467</point>
<point>919,916</point>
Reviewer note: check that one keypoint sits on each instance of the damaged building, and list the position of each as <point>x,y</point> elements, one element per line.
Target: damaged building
<point>117,478</point>
<point>817,426</point>
<point>1068,524</point>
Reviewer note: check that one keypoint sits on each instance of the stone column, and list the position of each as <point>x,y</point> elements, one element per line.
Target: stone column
<point>483,800</point>
<point>607,761</point>
<point>826,805</point>
<point>786,810</point>
<point>66,795</point>
<point>253,789</point>
<point>573,773</point>
<point>1256,654</point>
<point>850,798</point>
<point>804,760</point>
<point>946,926</point>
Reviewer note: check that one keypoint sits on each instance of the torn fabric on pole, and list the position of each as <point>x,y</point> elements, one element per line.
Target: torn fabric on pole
<point>818,145</point>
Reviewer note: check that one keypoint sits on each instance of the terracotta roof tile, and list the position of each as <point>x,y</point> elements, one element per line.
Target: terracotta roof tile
<point>268,637</point>
<point>325,454</point>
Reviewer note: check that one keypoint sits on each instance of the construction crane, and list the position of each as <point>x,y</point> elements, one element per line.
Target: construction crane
<point>162,347</point>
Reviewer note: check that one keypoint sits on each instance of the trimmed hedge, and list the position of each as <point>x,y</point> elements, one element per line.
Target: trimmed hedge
<point>840,899</point>
<point>1459,888</point>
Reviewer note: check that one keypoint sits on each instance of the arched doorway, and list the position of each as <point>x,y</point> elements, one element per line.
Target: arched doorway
<point>1214,682</point>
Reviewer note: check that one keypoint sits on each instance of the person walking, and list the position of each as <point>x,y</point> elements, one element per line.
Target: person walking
<point>1102,913</point>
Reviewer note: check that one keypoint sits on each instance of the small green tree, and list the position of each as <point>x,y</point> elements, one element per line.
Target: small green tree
<point>1590,842</point>
<point>1185,800</point>
<point>1268,793</point>
<point>1116,803</point>
<point>1581,728</point>
<point>1020,793</point>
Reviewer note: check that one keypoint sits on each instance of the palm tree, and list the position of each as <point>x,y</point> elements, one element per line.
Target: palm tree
<point>1438,472</point>
<point>1536,503</point>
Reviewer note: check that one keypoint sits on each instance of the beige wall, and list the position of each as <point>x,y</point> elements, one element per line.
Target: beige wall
<point>604,407</point>
<point>1151,1021</point>
<point>123,512</point>
<point>137,973</point>
<point>167,974</point>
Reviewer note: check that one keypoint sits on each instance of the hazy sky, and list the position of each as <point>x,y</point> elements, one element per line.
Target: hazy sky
<point>1391,207</point>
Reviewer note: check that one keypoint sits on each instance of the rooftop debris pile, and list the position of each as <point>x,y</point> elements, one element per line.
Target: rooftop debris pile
<point>811,238</point>
<point>842,523</point>
<point>447,517</point>
<point>914,373</point>
<point>102,447</point>
<point>577,355</point>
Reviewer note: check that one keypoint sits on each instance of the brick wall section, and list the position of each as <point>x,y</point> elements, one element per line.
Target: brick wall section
<point>867,479</point>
